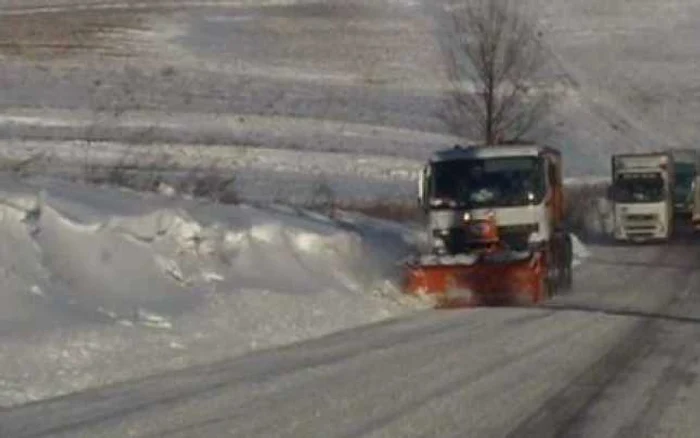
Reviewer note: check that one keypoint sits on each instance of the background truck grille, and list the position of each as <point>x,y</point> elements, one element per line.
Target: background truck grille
<point>641,217</point>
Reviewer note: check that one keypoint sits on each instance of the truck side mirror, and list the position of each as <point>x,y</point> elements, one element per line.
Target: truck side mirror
<point>421,187</point>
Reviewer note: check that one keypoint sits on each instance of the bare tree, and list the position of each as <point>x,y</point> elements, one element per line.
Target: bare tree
<point>492,54</point>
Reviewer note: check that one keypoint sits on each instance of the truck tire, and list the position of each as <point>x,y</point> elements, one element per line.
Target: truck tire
<point>568,280</point>
<point>547,290</point>
<point>553,279</point>
<point>562,261</point>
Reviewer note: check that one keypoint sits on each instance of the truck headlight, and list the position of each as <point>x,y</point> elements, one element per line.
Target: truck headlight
<point>535,238</point>
<point>444,232</point>
<point>439,246</point>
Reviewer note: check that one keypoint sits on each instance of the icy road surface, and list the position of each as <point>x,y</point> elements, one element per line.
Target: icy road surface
<point>616,357</point>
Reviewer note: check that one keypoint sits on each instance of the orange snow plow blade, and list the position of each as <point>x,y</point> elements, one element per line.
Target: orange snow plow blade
<point>512,282</point>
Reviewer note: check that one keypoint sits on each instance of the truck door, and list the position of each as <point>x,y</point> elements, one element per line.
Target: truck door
<point>555,195</point>
<point>424,186</point>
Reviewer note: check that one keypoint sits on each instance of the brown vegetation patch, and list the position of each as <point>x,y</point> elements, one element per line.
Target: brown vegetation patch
<point>64,34</point>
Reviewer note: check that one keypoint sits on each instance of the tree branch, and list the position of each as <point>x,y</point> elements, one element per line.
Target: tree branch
<point>494,49</point>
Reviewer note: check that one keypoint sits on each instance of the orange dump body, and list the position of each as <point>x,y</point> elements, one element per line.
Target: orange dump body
<point>511,282</point>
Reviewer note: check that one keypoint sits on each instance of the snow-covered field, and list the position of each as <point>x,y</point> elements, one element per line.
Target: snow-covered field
<point>361,77</point>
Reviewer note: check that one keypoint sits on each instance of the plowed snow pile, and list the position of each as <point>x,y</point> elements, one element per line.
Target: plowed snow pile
<point>98,285</point>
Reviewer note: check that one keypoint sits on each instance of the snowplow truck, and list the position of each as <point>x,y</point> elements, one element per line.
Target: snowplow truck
<point>495,226</point>
<point>642,195</point>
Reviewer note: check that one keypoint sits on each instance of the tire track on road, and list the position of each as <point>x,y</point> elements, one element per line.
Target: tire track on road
<point>95,406</point>
<point>567,410</point>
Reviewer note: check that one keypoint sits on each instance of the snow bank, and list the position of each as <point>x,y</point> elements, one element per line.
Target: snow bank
<point>176,281</point>
<point>599,220</point>
<point>580,250</point>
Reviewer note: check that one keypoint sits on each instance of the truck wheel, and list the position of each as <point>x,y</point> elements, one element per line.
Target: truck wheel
<point>561,263</point>
<point>546,292</point>
<point>551,289</point>
<point>552,280</point>
<point>568,280</point>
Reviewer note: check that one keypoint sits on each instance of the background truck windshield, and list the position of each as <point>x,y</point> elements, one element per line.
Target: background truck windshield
<point>493,182</point>
<point>639,187</point>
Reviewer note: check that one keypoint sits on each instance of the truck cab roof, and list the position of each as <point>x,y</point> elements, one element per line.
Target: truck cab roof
<point>497,151</point>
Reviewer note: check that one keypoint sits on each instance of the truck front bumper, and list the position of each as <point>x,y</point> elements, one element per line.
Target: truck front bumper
<point>641,233</point>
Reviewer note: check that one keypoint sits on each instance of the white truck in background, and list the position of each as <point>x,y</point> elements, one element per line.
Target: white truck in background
<point>642,195</point>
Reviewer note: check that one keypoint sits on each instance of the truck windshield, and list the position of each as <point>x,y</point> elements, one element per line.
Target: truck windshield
<point>493,182</point>
<point>639,187</point>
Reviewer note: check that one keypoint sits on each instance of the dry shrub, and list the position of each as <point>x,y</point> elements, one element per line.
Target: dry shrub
<point>396,211</point>
<point>210,182</point>
<point>581,201</point>
<point>67,33</point>
<point>150,172</point>
<point>323,198</point>
<point>23,166</point>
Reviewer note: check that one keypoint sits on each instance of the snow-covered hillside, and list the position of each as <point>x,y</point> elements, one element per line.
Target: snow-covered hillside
<point>360,77</point>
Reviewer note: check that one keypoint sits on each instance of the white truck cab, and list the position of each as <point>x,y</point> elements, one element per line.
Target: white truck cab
<point>519,185</point>
<point>642,195</point>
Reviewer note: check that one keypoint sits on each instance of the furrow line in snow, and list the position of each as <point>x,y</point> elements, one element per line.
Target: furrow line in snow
<point>144,5</point>
<point>674,377</point>
<point>352,372</point>
<point>125,399</point>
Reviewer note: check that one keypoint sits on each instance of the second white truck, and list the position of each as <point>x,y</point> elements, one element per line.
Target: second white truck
<point>642,195</point>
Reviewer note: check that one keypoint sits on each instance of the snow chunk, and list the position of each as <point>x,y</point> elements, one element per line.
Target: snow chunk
<point>580,250</point>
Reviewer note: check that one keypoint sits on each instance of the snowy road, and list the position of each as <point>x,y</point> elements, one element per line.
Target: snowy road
<point>625,365</point>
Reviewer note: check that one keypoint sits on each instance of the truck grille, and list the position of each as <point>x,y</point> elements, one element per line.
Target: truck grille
<point>517,236</point>
<point>641,225</point>
<point>641,217</point>
<point>649,228</point>
<point>458,240</point>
